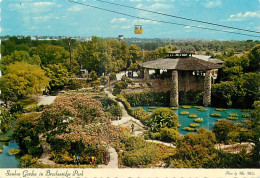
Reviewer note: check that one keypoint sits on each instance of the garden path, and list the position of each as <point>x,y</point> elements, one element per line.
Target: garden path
<point>45,158</point>
<point>113,162</point>
<point>45,100</point>
<point>160,142</point>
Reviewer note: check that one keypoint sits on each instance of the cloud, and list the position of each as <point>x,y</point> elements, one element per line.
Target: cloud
<point>43,3</point>
<point>241,17</point>
<point>42,18</point>
<point>76,8</point>
<point>118,20</point>
<point>212,4</point>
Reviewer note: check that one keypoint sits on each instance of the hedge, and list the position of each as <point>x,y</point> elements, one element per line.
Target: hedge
<point>148,98</point>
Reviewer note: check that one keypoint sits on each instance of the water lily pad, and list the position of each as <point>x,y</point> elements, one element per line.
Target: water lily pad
<point>186,107</point>
<point>215,114</point>
<point>221,109</point>
<point>193,115</point>
<point>199,120</point>
<point>194,125</point>
<point>184,112</point>
<point>5,139</point>
<point>189,129</point>
<point>14,151</point>
<point>202,109</point>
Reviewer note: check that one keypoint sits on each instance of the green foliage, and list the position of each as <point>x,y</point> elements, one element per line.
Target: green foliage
<point>195,149</point>
<point>119,86</point>
<point>127,105</point>
<point>22,79</point>
<point>169,134</point>
<point>5,119</point>
<point>58,75</point>
<point>148,98</point>
<point>138,152</point>
<point>191,97</point>
<point>112,76</point>
<point>27,134</point>
<point>222,128</point>
<point>111,106</point>
<point>222,93</point>
<point>93,75</point>
<point>27,161</point>
<point>141,114</point>
<point>162,117</point>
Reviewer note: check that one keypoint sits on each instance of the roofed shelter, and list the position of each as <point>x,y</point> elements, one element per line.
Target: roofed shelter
<point>187,71</point>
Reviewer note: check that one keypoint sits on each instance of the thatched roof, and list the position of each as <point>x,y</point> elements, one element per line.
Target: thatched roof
<point>181,63</point>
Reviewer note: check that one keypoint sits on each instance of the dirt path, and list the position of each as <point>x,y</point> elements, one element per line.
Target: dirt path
<point>45,100</point>
<point>113,162</point>
<point>45,158</point>
<point>160,142</point>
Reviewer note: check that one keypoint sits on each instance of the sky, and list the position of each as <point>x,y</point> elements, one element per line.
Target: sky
<point>64,18</point>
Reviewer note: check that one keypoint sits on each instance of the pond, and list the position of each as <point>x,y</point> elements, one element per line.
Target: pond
<point>208,120</point>
<point>6,160</point>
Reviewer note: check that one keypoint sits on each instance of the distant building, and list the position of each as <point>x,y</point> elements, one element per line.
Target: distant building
<point>120,37</point>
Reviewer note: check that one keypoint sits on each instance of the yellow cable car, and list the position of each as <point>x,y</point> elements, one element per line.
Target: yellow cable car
<point>138,29</point>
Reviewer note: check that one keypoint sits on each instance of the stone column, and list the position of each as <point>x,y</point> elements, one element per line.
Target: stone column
<point>207,89</point>
<point>146,74</point>
<point>174,95</point>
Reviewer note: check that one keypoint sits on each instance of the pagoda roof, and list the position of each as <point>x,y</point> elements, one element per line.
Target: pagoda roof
<point>181,63</point>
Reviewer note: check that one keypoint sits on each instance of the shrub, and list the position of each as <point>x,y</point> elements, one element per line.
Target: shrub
<point>28,161</point>
<point>112,76</point>
<point>138,152</point>
<point>112,106</point>
<point>148,98</point>
<point>142,156</point>
<point>163,117</point>
<point>127,105</point>
<point>141,114</point>
<point>168,134</point>
<point>119,86</point>
<point>191,97</point>
<point>93,75</point>
<point>222,128</point>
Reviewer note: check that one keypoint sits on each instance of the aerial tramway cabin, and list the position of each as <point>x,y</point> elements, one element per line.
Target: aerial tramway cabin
<point>187,71</point>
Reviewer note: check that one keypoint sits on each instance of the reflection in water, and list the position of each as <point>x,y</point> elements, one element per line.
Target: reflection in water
<point>6,160</point>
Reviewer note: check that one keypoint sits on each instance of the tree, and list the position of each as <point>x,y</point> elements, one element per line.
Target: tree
<point>254,59</point>
<point>22,79</point>
<point>222,128</point>
<point>58,75</point>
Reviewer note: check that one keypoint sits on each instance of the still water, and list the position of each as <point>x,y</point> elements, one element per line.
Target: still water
<point>208,120</point>
<point>6,160</point>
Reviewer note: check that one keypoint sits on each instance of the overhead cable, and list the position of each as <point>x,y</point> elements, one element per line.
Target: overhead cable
<point>161,21</point>
<point>179,17</point>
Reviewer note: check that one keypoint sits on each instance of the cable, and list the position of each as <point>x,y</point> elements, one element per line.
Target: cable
<point>184,18</point>
<point>84,4</point>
